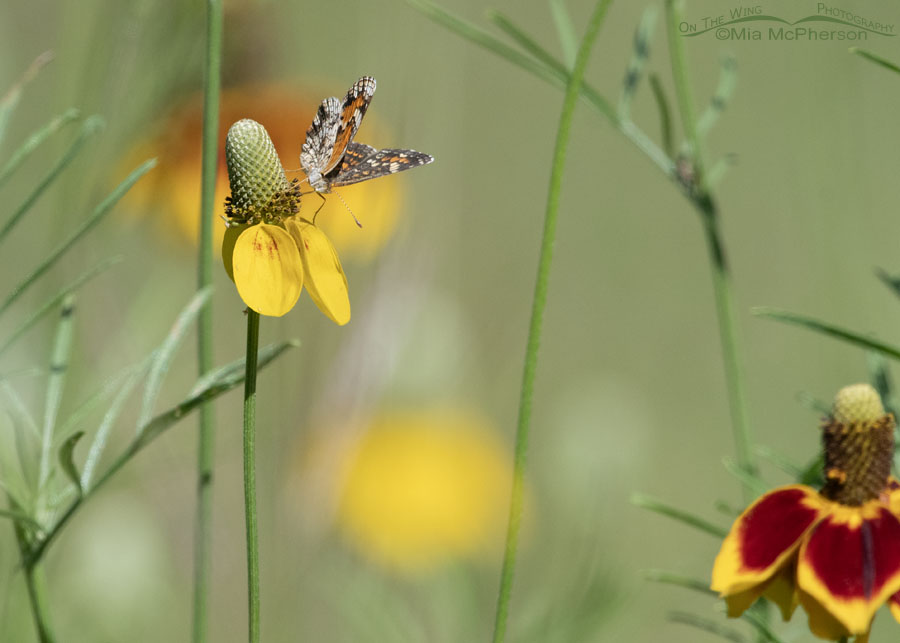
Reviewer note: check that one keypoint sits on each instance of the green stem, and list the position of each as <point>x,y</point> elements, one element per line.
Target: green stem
<point>250,475</point>
<point>34,583</point>
<point>573,87</point>
<point>37,597</point>
<point>721,276</point>
<point>205,449</point>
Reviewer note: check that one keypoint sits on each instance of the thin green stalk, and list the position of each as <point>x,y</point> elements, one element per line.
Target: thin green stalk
<point>34,583</point>
<point>250,476</point>
<point>206,446</point>
<point>721,276</point>
<point>37,597</point>
<point>573,87</point>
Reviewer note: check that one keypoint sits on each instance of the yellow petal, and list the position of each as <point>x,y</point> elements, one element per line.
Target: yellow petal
<point>232,233</point>
<point>325,278</point>
<point>267,269</point>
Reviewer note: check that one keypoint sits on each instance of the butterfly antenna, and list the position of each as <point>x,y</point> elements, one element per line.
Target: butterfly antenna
<point>348,209</point>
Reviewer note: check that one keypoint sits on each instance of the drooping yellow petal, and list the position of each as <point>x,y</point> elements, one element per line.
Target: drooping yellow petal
<point>325,278</point>
<point>232,233</point>
<point>267,269</point>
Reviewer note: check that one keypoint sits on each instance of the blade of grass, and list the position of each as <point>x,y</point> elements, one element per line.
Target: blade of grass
<point>671,578</point>
<point>761,625</point>
<point>643,35</point>
<point>537,313</point>
<point>27,440</point>
<point>67,462</point>
<point>875,58</point>
<point>96,216</point>
<point>568,39</point>
<point>51,303</point>
<point>480,37</point>
<point>56,382</point>
<point>779,461</point>
<point>812,403</point>
<point>166,353</point>
<point>529,44</point>
<point>557,76</point>
<point>723,93</point>
<point>98,444</point>
<point>11,99</point>
<point>233,372</point>
<point>90,127</point>
<point>657,506</point>
<point>152,430</point>
<point>35,140</point>
<point>706,625</point>
<point>206,435</point>
<point>20,517</point>
<point>750,481</point>
<point>891,282</point>
<point>665,115</point>
<point>851,337</point>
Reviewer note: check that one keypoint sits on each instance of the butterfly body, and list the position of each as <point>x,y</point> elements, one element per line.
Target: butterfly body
<point>330,157</point>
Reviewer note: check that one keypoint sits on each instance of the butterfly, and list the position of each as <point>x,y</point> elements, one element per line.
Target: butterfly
<point>330,158</point>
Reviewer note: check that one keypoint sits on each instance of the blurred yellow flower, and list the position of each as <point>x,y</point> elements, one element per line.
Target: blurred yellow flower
<point>422,488</point>
<point>174,190</point>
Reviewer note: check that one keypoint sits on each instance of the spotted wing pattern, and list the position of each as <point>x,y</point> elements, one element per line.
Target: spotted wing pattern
<point>320,137</point>
<point>363,162</point>
<point>356,102</point>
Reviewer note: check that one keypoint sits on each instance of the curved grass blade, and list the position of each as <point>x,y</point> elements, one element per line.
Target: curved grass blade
<point>643,35</point>
<point>59,366</point>
<point>811,402</point>
<point>831,330</point>
<point>707,625</point>
<point>51,303</point>
<point>98,444</point>
<point>21,518</point>
<point>66,461</point>
<point>748,480</point>
<point>813,473</point>
<point>568,39</point>
<point>96,216</point>
<point>146,435</point>
<point>557,75</point>
<point>665,115</point>
<point>671,578</point>
<point>26,436</point>
<point>480,37</point>
<point>891,282</point>
<point>657,506</point>
<point>166,352</point>
<point>233,373</point>
<point>723,93</point>
<point>35,140</point>
<point>761,625</point>
<point>11,99</point>
<point>875,58</point>
<point>90,127</point>
<point>779,461</point>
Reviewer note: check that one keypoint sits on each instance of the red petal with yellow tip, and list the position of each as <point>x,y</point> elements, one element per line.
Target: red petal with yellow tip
<point>764,537</point>
<point>850,563</point>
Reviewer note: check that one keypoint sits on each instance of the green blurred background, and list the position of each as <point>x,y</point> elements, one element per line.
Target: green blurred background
<point>630,392</point>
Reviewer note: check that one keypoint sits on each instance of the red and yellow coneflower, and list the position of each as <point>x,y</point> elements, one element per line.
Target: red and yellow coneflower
<point>835,551</point>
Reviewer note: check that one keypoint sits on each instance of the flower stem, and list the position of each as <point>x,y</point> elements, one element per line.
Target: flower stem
<point>537,314</point>
<point>205,449</point>
<point>250,475</point>
<point>721,275</point>
<point>34,581</point>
